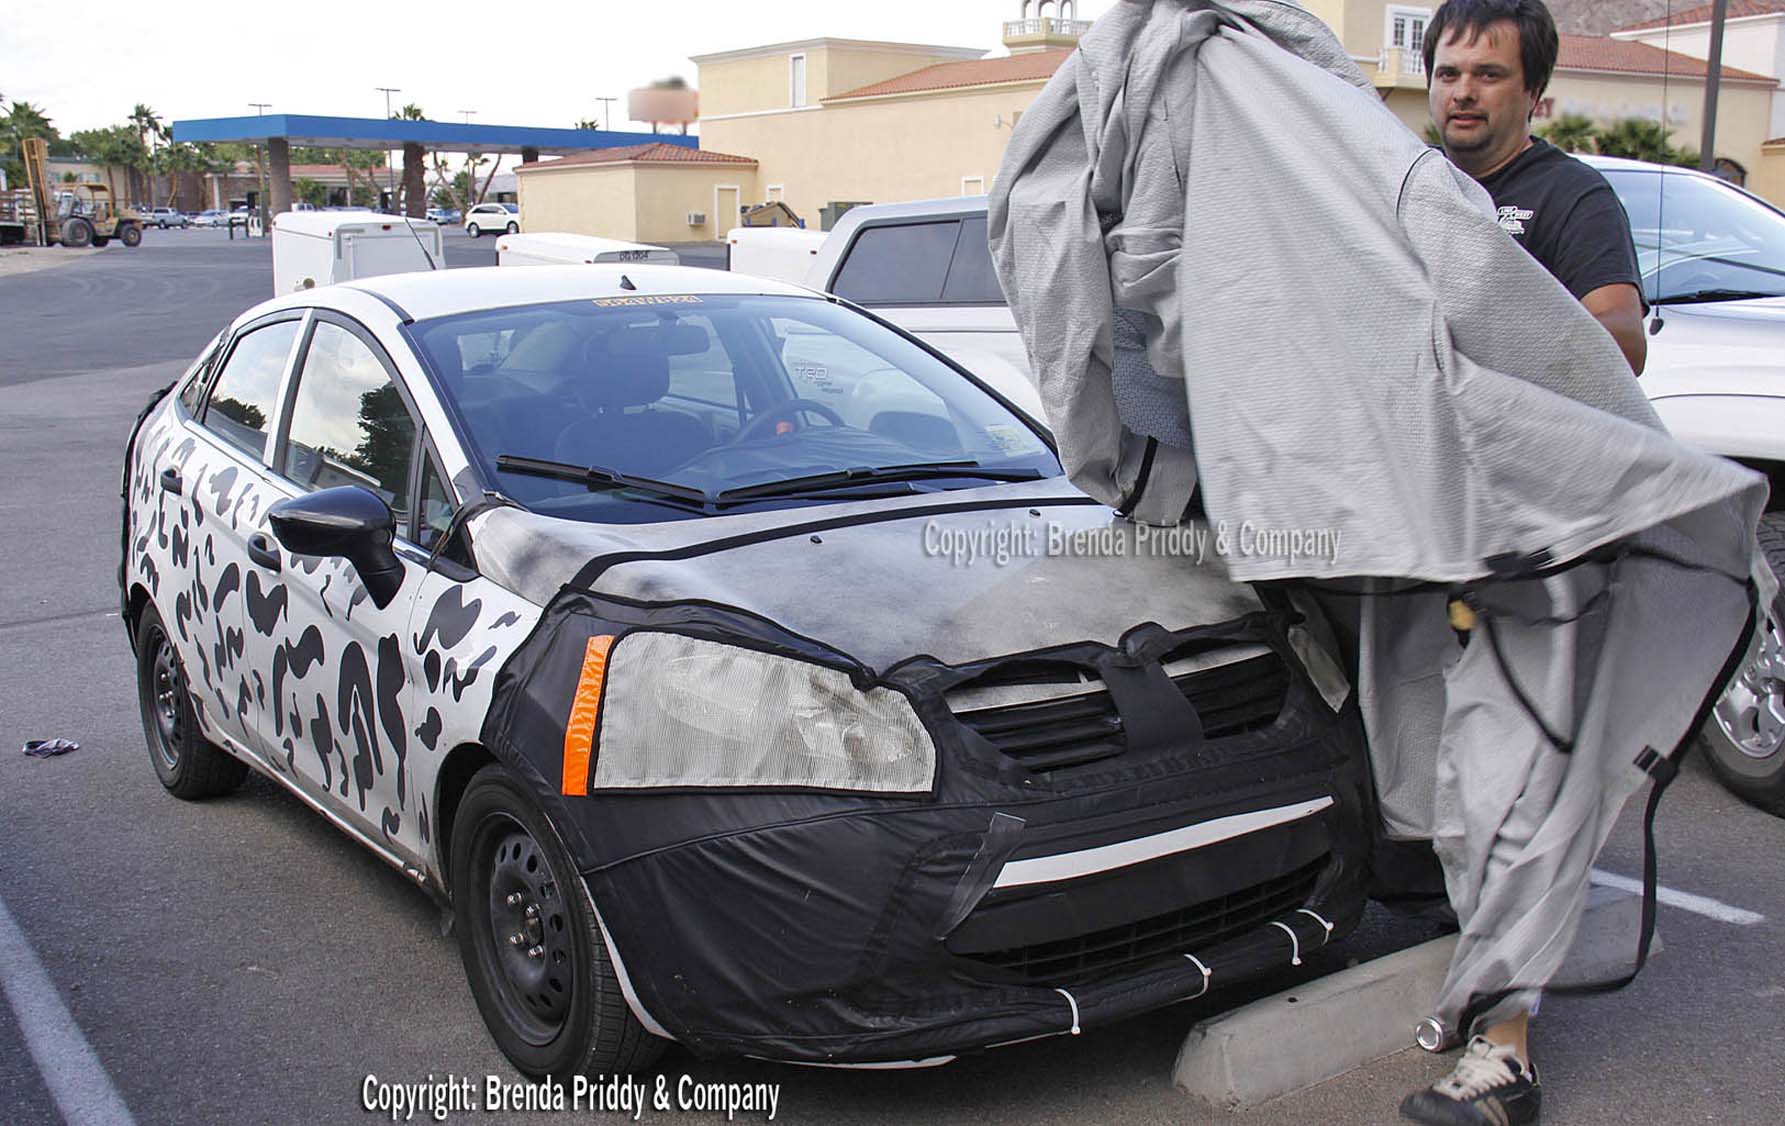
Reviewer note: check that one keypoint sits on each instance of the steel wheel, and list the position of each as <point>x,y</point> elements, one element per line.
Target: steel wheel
<point>527,947</point>
<point>168,686</point>
<point>1752,710</point>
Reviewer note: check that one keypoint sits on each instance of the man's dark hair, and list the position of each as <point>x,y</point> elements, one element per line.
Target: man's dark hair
<point>1466,19</point>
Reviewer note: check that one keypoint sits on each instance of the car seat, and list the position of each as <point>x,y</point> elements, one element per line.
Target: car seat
<point>644,442</point>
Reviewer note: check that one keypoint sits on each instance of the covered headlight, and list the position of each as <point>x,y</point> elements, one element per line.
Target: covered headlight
<point>681,711</point>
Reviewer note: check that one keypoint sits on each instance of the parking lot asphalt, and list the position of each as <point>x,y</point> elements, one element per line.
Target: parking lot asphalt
<point>241,961</point>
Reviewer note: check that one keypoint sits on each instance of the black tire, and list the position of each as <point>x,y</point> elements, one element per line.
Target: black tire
<point>190,766</point>
<point>101,240</point>
<point>130,234</point>
<point>1745,737</point>
<point>514,228</point>
<point>473,230</point>
<point>77,233</point>
<point>559,1011</point>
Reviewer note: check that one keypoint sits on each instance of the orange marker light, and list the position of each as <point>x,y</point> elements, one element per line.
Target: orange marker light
<point>585,709</point>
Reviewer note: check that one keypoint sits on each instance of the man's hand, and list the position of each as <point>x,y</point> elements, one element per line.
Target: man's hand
<point>1619,308</point>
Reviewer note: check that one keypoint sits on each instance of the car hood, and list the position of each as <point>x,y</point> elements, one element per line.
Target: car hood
<point>897,578</point>
<point>1718,348</point>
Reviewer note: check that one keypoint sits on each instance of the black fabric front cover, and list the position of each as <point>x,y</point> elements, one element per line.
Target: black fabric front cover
<point>805,925</point>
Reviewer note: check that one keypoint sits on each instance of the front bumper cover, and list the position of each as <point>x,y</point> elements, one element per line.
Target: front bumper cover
<point>832,927</point>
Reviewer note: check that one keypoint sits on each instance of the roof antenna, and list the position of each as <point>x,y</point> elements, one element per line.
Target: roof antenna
<point>626,283</point>
<point>1655,321</point>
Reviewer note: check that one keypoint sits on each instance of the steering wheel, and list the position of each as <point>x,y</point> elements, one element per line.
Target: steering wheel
<point>784,411</point>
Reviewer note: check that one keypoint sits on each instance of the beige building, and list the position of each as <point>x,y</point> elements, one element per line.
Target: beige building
<point>823,121</point>
<point>644,193</point>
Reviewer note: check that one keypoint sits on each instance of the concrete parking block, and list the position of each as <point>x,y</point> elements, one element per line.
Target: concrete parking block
<point>1327,1027</point>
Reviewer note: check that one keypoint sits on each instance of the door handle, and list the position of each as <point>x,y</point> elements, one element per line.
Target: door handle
<point>262,551</point>
<point>170,481</point>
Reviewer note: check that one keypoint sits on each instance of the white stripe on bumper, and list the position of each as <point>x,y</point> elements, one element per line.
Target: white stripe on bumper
<point>1071,865</point>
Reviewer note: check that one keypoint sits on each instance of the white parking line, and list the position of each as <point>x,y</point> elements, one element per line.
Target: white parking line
<point>76,1079</point>
<point>1684,900</point>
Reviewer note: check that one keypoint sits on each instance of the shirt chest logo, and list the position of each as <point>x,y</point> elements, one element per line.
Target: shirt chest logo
<point>1512,219</point>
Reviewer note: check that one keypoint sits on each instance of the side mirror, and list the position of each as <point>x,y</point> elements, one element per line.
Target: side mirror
<point>350,522</point>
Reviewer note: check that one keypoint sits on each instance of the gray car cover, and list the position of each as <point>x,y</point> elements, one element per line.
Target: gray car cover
<point>1209,228</point>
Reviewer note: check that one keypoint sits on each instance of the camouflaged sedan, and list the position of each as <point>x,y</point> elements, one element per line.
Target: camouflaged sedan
<point>623,609</point>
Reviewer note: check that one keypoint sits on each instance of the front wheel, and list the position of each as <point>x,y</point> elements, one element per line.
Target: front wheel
<point>530,941</point>
<point>514,228</point>
<point>189,766</point>
<point>472,230</point>
<point>130,235</point>
<point>77,233</point>
<point>1745,736</point>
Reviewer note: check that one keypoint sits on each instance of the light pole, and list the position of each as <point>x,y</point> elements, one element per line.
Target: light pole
<point>468,115</point>
<point>390,185</point>
<point>607,121</point>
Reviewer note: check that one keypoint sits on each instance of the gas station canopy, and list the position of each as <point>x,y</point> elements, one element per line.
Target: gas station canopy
<point>381,133</point>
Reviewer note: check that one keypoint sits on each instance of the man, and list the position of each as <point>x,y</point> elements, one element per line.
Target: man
<point>1488,63</point>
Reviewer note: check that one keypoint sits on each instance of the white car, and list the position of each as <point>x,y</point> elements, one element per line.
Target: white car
<point>504,217</point>
<point>552,588</point>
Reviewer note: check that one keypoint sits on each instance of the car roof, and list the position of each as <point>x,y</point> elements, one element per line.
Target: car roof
<point>1618,163</point>
<point>443,293</point>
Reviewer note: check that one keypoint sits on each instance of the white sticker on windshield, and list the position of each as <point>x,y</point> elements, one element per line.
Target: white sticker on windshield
<point>1012,439</point>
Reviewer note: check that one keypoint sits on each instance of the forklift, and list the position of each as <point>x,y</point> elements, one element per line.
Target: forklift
<point>79,215</point>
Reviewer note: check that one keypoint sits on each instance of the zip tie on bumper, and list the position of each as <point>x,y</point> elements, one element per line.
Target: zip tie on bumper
<point>1206,975</point>
<point>1074,1004</point>
<point>1295,944</point>
<point>1317,919</point>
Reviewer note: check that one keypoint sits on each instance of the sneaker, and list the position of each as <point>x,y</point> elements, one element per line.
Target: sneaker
<point>1488,1087</point>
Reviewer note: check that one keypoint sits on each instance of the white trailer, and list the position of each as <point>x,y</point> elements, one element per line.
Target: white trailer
<point>783,253</point>
<point>312,248</point>
<point>557,248</point>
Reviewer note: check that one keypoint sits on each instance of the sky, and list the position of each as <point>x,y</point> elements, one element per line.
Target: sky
<point>521,62</point>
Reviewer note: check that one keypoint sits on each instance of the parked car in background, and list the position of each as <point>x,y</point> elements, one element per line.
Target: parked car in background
<point>165,217</point>
<point>445,215</point>
<point>528,564</point>
<point>493,217</point>
<point>210,217</point>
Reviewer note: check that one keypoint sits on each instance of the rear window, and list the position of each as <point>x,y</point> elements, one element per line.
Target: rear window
<point>931,263</point>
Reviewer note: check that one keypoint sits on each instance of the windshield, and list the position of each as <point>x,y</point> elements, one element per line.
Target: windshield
<point>691,405</point>
<point>1703,239</point>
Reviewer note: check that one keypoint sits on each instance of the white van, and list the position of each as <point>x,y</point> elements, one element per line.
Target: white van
<point>312,248</point>
<point>557,248</point>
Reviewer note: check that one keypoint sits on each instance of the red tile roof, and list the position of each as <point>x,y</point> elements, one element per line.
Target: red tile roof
<point>1599,52</point>
<point>1702,14</point>
<point>659,152</point>
<point>1030,67</point>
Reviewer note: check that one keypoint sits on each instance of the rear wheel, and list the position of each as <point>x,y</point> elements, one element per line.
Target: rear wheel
<point>514,228</point>
<point>189,766</point>
<point>1745,736</point>
<point>530,942</point>
<point>472,230</point>
<point>77,233</point>
<point>130,234</point>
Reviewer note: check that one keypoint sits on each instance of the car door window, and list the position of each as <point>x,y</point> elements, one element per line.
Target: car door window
<point>240,408</point>
<point>898,265</point>
<point>349,424</point>
<point>971,279</point>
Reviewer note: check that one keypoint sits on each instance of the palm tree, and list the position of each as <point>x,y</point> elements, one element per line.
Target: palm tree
<point>1572,132</point>
<point>1640,139</point>
<point>147,124</point>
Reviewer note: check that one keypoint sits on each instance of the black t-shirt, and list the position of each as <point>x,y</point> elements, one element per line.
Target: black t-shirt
<point>1563,212</point>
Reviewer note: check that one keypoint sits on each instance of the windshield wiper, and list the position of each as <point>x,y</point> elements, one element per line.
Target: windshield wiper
<point>1700,296</point>
<point>865,474</point>
<point>597,477</point>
